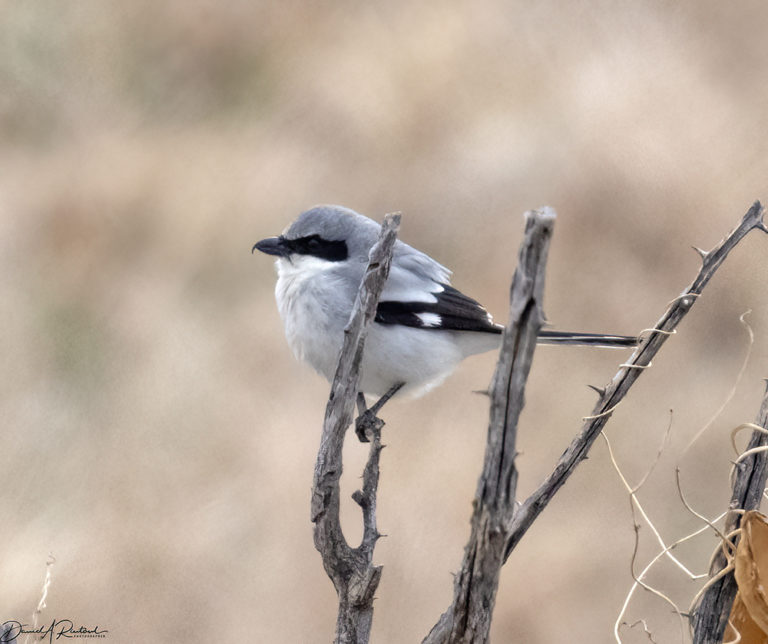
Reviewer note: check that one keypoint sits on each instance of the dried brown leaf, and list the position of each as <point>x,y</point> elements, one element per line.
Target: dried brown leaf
<point>749,615</point>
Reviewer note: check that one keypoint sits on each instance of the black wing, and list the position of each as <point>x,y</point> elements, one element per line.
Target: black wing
<point>452,311</point>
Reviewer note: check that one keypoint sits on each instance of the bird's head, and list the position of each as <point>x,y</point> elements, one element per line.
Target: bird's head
<point>325,233</point>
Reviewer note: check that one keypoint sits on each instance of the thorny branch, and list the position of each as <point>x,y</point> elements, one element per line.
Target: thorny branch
<point>351,569</point>
<point>629,372</point>
<point>498,519</point>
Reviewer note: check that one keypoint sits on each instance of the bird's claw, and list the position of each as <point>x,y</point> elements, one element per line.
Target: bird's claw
<point>366,424</point>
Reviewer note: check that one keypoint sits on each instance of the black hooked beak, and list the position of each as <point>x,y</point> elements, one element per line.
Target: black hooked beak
<point>273,246</point>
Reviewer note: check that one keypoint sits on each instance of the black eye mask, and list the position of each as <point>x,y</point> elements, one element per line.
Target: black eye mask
<point>316,246</point>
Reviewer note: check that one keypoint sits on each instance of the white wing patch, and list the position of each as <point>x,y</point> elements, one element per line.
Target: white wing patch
<point>430,319</point>
<point>403,286</point>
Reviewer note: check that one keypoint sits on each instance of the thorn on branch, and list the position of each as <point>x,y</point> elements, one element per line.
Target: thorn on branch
<point>685,299</point>
<point>600,390</point>
<point>703,253</point>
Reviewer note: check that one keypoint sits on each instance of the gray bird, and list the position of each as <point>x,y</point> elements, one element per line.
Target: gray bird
<point>423,326</point>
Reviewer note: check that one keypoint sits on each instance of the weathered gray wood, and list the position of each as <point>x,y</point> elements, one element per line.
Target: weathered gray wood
<point>711,615</point>
<point>495,522</point>
<point>351,569</point>
<point>469,617</point>
<point>627,375</point>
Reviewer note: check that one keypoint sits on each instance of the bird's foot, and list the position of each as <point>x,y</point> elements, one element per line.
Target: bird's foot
<point>367,425</point>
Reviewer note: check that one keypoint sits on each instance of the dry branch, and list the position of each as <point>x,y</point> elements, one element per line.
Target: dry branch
<point>469,617</point>
<point>495,520</point>
<point>628,374</point>
<point>711,615</point>
<point>351,569</point>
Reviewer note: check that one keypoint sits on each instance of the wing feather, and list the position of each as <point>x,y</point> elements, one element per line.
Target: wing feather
<point>450,310</point>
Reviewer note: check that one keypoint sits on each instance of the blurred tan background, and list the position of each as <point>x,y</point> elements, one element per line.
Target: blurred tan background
<point>158,437</point>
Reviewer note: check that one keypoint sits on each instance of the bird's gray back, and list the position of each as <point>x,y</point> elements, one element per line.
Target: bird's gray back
<point>337,223</point>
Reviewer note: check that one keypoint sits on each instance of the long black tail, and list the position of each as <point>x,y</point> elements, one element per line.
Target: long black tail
<point>587,339</point>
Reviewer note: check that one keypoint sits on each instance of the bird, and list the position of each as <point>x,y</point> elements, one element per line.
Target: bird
<point>423,327</point>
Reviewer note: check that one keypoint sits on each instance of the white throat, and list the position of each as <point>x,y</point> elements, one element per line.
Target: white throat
<point>304,294</point>
<point>301,267</point>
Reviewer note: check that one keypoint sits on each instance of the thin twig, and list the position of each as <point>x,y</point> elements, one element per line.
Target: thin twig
<point>654,591</point>
<point>43,599</point>
<point>711,523</point>
<point>739,429</point>
<point>647,568</point>
<point>351,569</point>
<point>634,502</point>
<point>646,630</point>
<point>734,388</point>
